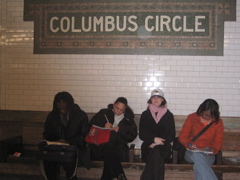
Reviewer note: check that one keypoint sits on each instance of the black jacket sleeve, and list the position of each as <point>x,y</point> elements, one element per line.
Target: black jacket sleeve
<point>170,126</point>
<point>99,118</point>
<point>146,133</point>
<point>78,127</point>
<point>51,126</point>
<point>74,133</point>
<point>127,130</point>
<point>148,129</point>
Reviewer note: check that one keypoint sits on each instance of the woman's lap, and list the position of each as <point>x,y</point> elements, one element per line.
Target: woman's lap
<point>202,165</point>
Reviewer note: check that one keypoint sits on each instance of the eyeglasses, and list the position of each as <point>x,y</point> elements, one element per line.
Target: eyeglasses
<point>206,116</point>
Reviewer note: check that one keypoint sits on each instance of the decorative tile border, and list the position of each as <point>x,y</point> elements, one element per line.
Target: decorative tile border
<point>138,27</point>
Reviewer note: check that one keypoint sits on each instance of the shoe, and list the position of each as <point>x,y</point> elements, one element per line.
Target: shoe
<point>72,178</point>
<point>121,177</point>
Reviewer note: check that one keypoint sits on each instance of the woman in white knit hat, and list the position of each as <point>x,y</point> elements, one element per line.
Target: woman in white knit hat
<point>157,131</point>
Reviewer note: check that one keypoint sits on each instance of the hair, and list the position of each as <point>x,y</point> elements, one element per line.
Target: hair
<point>209,105</point>
<point>164,102</point>
<point>66,97</point>
<point>122,100</point>
<point>128,109</point>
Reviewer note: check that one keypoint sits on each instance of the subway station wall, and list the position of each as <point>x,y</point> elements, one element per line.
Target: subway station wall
<point>29,81</point>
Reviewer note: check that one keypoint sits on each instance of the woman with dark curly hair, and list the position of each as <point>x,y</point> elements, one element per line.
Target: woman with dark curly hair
<point>120,117</point>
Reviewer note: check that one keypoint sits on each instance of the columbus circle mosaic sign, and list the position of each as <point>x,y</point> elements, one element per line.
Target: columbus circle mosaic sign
<point>159,27</point>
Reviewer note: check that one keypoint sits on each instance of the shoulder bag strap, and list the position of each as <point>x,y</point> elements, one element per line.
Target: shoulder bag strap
<point>202,131</point>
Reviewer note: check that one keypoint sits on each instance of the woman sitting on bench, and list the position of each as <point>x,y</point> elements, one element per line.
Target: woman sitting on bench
<point>210,140</point>
<point>120,118</point>
<point>157,131</point>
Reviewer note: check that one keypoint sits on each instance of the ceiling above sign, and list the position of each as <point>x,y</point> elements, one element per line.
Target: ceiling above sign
<point>160,27</point>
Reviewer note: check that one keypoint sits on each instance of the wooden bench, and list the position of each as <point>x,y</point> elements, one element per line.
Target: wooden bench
<point>230,148</point>
<point>9,146</point>
<point>28,163</point>
<point>32,134</point>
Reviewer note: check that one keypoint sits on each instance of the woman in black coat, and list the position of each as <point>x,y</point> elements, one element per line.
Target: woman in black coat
<point>120,117</point>
<point>157,131</point>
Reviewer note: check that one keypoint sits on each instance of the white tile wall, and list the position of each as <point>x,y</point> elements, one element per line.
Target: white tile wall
<point>30,81</point>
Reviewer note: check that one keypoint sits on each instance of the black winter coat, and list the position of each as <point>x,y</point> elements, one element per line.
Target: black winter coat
<point>75,132</point>
<point>127,128</point>
<point>148,130</point>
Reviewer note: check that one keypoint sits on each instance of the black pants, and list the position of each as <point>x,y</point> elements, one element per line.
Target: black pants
<point>52,169</point>
<point>109,153</point>
<point>112,164</point>
<point>154,168</point>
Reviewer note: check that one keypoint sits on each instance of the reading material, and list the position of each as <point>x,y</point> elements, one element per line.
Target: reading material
<point>56,143</point>
<point>103,128</point>
<point>234,159</point>
<point>205,150</point>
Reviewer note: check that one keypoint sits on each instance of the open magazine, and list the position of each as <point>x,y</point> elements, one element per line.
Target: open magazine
<point>205,150</point>
<point>103,128</point>
<point>56,143</point>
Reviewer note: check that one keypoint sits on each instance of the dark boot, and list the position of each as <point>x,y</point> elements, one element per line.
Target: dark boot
<point>121,177</point>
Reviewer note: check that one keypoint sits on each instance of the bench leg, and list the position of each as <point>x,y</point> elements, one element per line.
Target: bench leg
<point>174,157</point>
<point>219,175</point>
<point>10,146</point>
<point>3,151</point>
<point>131,153</point>
<point>218,158</point>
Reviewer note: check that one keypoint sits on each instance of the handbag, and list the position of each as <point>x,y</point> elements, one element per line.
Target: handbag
<point>10,146</point>
<point>59,153</point>
<point>182,149</point>
<point>98,135</point>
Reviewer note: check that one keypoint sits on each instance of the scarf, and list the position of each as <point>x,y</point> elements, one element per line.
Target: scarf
<point>64,118</point>
<point>157,112</point>
<point>117,119</point>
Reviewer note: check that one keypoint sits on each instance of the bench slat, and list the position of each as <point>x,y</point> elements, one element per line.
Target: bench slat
<point>231,141</point>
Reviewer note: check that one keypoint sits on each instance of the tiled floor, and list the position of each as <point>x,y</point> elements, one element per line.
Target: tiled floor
<point>22,177</point>
<point>15,177</point>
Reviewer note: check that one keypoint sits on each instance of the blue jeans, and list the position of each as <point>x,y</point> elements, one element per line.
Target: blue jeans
<point>202,165</point>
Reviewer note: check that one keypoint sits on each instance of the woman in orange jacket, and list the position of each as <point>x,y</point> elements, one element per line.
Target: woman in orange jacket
<point>211,139</point>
